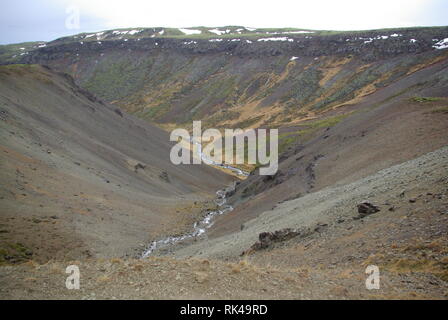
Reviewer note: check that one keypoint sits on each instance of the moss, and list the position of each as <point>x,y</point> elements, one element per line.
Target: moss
<point>11,253</point>
<point>424,99</point>
<point>248,122</point>
<point>288,139</point>
<point>440,110</point>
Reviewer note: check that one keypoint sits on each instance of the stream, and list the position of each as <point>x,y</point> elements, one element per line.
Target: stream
<point>199,227</point>
<point>207,221</point>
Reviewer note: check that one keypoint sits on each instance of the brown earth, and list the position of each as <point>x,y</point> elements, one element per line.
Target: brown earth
<point>407,243</point>
<point>384,129</point>
<point>86,184</point>
<point>79,179</point>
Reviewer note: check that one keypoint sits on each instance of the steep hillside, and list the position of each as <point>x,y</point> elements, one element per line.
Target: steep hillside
<point>236,76</point>
<point>407,119</point>
<point>327,259</point>
<point>362,117</point>
<point>82,179</point>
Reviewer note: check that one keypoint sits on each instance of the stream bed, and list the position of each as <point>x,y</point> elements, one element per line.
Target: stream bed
<point>207,221</point>
<point>199,227</point>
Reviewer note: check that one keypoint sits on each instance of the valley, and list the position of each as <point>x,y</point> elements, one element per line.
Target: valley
<point>86,176</point>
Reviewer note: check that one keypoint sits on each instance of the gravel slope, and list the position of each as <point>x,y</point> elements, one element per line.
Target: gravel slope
<point>328,205</point>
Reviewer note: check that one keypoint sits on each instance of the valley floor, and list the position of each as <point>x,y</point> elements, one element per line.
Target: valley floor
<point>407,240</point>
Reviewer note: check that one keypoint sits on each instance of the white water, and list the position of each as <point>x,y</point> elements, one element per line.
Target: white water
<point>201,226</point>
<point>213,163</point>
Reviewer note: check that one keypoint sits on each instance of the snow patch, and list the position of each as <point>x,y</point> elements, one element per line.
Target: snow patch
<point>217,31</point>
<point>190,31</point>
<point>293,58</point>
<point>298,32</point>
<point>276,39</point>
<point>442,44</point>
<point>215,40</point>
<point>132,32</point>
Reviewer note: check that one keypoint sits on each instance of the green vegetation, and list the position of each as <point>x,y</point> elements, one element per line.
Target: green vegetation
<point>289,138</point>
<point>12,53</point>
<point>14,253</point>
<point>425,99</point>
<point>440,110</point>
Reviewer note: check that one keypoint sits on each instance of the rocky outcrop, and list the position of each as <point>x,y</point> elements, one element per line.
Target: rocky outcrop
<point>267,239</point>
<point>366,208</point>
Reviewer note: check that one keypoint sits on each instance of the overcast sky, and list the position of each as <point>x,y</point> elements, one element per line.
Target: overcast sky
<point>31,20</point>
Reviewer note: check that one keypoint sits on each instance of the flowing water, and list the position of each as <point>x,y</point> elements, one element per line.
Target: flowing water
<point>201,226</point>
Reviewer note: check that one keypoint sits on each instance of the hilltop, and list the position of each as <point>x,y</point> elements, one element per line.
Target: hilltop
<point>236,76</point>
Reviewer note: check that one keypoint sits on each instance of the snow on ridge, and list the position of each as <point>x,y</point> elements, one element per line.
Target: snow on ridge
<point>442,44</point>
<point>276,39</point>
<point>98,35</point>
<point>190,31</point>
<point>215,40</point>
<point>132,32</point>
<point>129,32</point>
<point>297,32</point>
<point>217,31</point>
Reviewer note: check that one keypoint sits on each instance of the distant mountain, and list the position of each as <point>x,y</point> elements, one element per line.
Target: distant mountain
<point>236,76</point>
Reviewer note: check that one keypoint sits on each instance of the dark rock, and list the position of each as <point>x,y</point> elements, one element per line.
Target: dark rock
<point>164,176</point>
<point>366,208</point>
<point>139,166</point>
<point>118,111</point>
<point>266,239</point>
